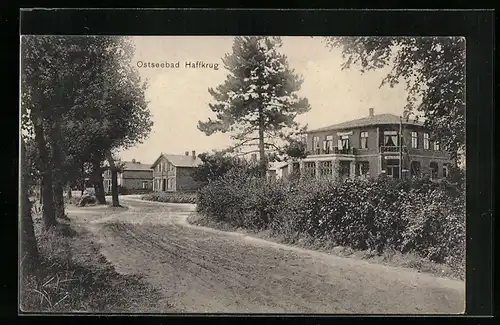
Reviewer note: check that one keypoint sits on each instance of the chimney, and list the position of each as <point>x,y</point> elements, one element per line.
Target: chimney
<point>187,153</point>
<point>194,154</point>
<point>370,110</point>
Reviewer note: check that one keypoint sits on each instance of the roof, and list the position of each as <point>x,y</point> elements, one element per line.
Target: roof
<point>179,160</point>
<point>129,165</point>
<point>379,119</point>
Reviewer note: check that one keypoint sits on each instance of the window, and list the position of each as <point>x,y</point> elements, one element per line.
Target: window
<point>329,143</point>
<point>426,141</point>
<point>445,170</point>
<point>345,168</point>
<point>362,168</point>
<point>414,140</point>
<point>324,146</point>
<point>434,170</point>
<point>364,140</point>
<point>316,148</point>
<point>390,138</point>
<point>392,168</point>
<point>145,185</point>
<point>436,145</point>
<point>310,168</point>
<point>415,169</point>
<point>343,142</point>
<point>326,168</point>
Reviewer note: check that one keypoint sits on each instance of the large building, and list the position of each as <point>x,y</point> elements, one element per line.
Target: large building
<point>370,146</point>
<point>134,176</point>
<point>174,173</point>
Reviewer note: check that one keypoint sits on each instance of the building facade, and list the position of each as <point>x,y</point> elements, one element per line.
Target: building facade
<point>371,146</point>
<point>174,173</point>
<point>134,176</point>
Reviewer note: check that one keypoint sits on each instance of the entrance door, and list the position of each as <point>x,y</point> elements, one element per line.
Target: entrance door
<point>392,168</point>
<point>164,185</point>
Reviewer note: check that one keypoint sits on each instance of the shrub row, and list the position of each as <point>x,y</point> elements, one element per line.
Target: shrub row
<point>171,197</point>
<point>417,216</point>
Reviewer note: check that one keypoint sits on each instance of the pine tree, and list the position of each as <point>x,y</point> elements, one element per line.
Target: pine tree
<point>257,104</point>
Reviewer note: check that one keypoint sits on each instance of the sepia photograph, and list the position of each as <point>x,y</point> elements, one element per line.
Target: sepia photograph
<point>242,174</point>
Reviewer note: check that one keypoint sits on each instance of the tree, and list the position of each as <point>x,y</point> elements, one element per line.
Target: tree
<point>29,249</point>
<point>218,164</point>
<point>257,103</point>
<point>433,69</point>
<point>46,93</point>
<point>120,116</point>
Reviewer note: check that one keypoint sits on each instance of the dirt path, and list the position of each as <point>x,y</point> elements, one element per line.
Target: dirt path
<point>204,270</point>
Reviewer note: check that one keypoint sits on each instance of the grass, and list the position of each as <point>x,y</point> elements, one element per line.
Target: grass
<point>75,277</point>
<point>388,257</point>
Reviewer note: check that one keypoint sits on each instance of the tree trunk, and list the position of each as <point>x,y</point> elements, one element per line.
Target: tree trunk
<point>49,219</point>
<point>262,153</point>
<point>82,183</point>
<point>70,195</point>
<point>98,182</point>
<point>114,181</point>
<point>29,250</point>
<point>40,191</point>
<point>57,171</point>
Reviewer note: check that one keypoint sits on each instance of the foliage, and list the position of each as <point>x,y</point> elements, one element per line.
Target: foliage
<point>70,279</point>
<point>258,100</point>
<point>433,69</point>
<point>216,165</point>
<point>171,197</point>
<point>408,216</point>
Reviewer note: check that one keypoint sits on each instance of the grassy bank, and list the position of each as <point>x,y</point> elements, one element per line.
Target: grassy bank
<point>388,257</point>
<point>420,223</point>
<point>74,276</point>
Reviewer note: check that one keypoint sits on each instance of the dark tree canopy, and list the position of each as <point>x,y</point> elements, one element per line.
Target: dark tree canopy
<point>433,69</point>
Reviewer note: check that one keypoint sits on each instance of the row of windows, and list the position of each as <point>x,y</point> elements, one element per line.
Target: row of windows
<point>362,168</point>
<point>164,184</point>
<point>390,140</point>
<point>161,167</point>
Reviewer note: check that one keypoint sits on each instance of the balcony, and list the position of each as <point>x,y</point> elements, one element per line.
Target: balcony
<point>392,149</point>
<point>334,150</point>
<point>344,151</point>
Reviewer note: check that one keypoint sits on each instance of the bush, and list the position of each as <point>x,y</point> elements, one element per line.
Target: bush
<point>416,216</point>
<point>171,197</point>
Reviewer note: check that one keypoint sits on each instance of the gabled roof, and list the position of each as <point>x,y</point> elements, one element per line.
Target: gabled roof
<point>179,160</point>
<point>379,119</point>
<point>129,165</point>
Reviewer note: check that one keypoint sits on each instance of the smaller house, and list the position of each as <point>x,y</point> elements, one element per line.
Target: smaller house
<point>174,173</point>
<point>134,176</point>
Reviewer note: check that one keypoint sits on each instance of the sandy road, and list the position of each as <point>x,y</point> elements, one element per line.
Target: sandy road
<point>204,270</point>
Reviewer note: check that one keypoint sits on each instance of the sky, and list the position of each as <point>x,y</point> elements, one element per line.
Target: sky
<point>178,97</point>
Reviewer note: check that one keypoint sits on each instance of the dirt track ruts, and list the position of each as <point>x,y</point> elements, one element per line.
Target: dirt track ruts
<point>203,270</point>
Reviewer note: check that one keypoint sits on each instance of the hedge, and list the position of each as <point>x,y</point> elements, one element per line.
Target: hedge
<point>418,216</point>
<point>171,197</point>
